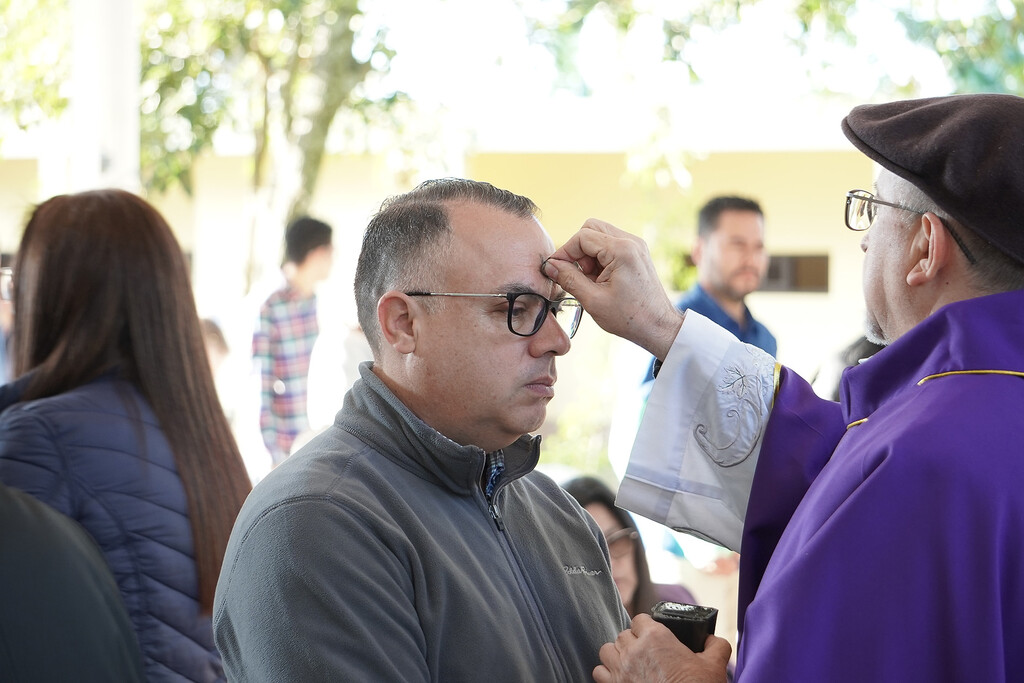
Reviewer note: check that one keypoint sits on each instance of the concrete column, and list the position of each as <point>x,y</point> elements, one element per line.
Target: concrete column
<point>104,95</point>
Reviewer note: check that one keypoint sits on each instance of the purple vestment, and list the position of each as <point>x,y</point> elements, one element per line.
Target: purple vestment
<point>898,514</point>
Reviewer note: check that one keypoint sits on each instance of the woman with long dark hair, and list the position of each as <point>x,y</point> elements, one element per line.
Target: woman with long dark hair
<point>628,558</point>
<point>114,419</point>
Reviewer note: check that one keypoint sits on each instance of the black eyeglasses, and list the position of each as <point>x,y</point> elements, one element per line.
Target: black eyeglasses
<point>861,211</point>
<point>528,310</point>
<point>620,542</point>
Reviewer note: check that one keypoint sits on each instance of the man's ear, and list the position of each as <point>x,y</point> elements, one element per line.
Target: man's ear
<point>697,251</point>
<point>395,314</point>
<point>932,247</point>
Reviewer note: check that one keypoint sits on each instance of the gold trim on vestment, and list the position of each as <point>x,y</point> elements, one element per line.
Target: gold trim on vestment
<point>1012,373</point>
<point>775,378</point>
<point>971,372</point>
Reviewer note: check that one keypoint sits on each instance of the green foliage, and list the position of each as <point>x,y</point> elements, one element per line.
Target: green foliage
<point>287,68</point>
<point>983,53</point>
<point>679,27</point>
<point>831,14</point>
<point>33,60</point>
<point>259,67</point>
<point>264,67</point>
<point>185,88</point>
<point>559,31</point>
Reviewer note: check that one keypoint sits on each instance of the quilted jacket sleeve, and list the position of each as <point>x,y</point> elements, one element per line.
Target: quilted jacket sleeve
<point>31,459</point>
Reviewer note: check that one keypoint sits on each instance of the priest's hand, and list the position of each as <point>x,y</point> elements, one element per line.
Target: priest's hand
<point>612,275</point>
<point>648,652</point>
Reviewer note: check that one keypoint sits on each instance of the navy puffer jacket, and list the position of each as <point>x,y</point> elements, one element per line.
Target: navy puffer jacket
<point>97,454</point>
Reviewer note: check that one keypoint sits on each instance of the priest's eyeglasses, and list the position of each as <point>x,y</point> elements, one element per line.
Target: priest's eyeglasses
<point>861,211</point>
<point>527,311</point>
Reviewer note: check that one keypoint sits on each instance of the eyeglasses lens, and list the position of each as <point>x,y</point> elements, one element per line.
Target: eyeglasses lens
<point>529,311</point>
<point>861,212</point>
<point>568,313</point>
<point>620,545</point>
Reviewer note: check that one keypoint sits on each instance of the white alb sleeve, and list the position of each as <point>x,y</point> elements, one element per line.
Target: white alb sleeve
<point>693,460</point>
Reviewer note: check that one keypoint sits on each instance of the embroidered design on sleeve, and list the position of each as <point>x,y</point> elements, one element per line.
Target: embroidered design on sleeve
<point>731,423</point>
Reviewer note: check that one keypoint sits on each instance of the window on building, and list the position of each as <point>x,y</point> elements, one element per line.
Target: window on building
<point>786,273</point>
<point>796,274</point>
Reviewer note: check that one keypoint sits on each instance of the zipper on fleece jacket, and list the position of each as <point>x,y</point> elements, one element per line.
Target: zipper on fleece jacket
<point>494,514</point>
<point>540,623</point>
<point>496,463</point>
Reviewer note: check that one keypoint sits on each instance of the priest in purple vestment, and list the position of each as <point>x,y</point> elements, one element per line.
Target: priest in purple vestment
<point>881,537</point>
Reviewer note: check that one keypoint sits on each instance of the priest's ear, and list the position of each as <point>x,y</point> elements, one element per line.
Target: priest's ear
<point>933,250</point>
<point>396,315</point>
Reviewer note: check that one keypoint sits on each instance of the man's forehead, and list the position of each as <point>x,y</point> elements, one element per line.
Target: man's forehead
<point>500,248</point>
<point>488,224</point>
<point>732,219</point>
<point>504,273</point>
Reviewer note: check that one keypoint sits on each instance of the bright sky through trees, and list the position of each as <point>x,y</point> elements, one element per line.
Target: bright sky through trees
<point>476,60</point>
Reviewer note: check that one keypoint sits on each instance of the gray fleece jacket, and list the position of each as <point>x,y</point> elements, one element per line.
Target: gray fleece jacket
<point>373,555</point>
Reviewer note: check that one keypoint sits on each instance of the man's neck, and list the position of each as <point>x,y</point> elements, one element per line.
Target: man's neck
<point>734,308</point>
<point>302,281</point>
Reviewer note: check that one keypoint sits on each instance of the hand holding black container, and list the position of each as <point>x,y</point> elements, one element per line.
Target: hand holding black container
<point>691,624</point>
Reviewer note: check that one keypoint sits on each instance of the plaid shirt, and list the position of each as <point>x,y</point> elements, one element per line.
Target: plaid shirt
<point>282,345</point>
<point>495,468</point>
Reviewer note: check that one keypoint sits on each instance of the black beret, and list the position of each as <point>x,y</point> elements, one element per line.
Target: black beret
<point>966,152</point>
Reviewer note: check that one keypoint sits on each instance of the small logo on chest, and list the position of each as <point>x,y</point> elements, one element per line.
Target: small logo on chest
<point>580,570</point>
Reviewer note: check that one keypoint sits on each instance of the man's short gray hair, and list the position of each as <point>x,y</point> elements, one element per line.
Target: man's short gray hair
<point>994,271</point>
<point>407,242</point>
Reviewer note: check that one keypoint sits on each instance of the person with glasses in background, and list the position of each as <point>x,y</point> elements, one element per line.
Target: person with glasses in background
<point>629,566</point>
<point>625,547</point>
<point>413,540</point>
<point>881,537</point>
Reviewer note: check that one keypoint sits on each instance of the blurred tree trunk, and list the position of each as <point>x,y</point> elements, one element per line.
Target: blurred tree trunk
<point>339,75</point>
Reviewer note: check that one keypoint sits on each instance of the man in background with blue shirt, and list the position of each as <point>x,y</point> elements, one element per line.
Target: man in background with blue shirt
<point>731,263</point>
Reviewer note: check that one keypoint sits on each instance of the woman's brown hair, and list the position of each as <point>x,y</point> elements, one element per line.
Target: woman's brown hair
<point>589,490</point>
<point>100,285</point>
